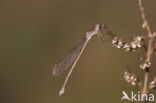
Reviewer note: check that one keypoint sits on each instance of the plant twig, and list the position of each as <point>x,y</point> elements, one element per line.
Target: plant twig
<point>149,49</point>
<point>145,23</point>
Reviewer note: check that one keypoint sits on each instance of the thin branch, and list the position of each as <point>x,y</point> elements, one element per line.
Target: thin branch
<point>149,49</point>
<point>145,23</point>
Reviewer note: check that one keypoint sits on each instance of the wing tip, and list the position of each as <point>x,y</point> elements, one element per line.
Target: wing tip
<point>54,72</point>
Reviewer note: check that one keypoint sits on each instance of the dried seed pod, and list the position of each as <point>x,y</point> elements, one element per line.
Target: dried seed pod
<point>119,43</point>
<point>145,65</point>
<point>139,39</point>
<point>133,46</point>
<point>115,41</point>
<point>131,78</point>
<point>126,47</point>
<point>152,84</point>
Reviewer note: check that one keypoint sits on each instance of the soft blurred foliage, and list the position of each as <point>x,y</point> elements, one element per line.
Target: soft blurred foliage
<point>35,34</point>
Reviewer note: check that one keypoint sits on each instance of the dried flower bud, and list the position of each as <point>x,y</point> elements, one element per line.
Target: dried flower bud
<point>152,84</point>
<point>131,78</point>
<point>126,47</point>
<point>120,44</point>
<point>145,65</point>
<point>133,46</point>
<point>115,41</point>
<point>139,39</point>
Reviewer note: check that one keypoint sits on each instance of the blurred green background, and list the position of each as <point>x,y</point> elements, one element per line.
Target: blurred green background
<point>35,34</point>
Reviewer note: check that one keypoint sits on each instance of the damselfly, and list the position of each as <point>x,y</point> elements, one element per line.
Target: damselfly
<point>72,57</point>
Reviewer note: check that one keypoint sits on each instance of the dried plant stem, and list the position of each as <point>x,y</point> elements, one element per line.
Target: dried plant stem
<point>148,59</point>
<point>149,49</point>
<point>145,86</point>
<point>145,23</point>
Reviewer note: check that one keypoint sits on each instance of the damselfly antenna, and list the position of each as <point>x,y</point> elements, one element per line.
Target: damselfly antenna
<point>72,57</point>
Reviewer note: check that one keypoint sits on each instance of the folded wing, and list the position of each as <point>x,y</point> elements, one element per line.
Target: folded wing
<point>68,60</point>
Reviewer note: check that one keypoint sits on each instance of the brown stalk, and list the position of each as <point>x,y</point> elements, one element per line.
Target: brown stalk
<point>149,52</point>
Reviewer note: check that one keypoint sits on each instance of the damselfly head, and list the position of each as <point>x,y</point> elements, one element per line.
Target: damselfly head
<point>93,31</point>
